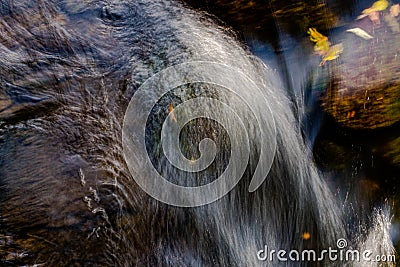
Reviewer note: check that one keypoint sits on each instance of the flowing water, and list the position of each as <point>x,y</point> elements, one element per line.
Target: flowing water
<point>69,196</point>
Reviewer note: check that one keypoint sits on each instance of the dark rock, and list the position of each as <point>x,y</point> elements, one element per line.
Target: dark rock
<point>364,88</point>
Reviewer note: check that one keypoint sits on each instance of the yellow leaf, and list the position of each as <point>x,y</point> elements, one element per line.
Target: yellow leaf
<point>333,53</point>
<point>379,5</point>
<point>315,36</point>
<point>322,44</point>
<point>321,48</point>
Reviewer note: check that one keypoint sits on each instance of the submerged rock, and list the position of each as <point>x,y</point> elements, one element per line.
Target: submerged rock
<point>364,87</point>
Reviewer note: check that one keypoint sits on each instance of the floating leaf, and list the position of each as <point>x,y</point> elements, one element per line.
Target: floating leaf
<point>306,235</point>
<point>373,11</point>
<point>315,36</point>
<point>361,33</point>
<point>322,44</point>
<point>323,47</point>
<point>333,53</point>
<point>379,5</point>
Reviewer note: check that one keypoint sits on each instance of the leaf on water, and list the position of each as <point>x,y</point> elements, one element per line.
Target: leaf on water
<point>361,33</point>
<point>379,5</point>
<point>322,44</point>
<point>315,36</point>
<point>373,11</point>
<point>333,53</point>
<point>323,47</point>
<point>306,235</point>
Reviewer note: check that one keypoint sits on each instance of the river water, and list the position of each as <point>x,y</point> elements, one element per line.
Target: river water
<point>74,176</point>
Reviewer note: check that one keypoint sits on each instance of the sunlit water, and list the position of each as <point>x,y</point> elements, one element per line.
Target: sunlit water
<point>69,70</point>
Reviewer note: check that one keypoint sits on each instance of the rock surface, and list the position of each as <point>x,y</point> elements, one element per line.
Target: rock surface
<point>364,87</point>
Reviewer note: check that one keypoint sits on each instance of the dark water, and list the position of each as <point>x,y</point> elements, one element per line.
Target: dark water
<point>68,71</point>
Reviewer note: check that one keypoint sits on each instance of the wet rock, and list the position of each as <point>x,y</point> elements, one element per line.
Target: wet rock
<point>4,103</point>
<point>364,88</point>
<point>390,151</point>
<point>255,17</point>
<point>111,13</point>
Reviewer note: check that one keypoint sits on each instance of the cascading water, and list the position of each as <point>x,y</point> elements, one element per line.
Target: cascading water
<point>85,83</point>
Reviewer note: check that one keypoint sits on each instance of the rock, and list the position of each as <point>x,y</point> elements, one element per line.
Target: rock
<point>4,103</point>
<point>363,92</point>
<point>390,151</point>
<point>260,20</point>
